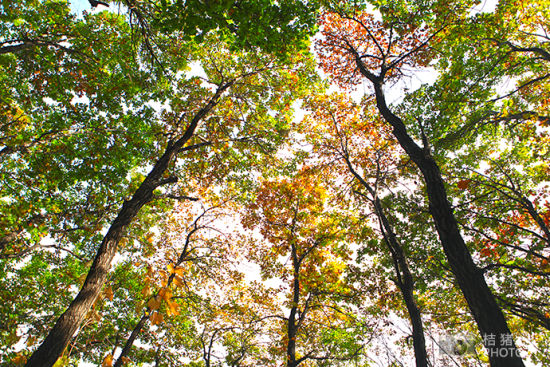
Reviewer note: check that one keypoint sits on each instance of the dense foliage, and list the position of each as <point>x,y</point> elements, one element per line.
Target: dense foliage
<point>274,183</point>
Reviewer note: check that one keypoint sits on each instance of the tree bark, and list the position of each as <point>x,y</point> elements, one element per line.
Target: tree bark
<point>68,323</point>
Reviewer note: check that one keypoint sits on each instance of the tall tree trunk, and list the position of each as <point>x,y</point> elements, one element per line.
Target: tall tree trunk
<point>481,301</point>
<point>292,325</point>
<point>68,323</point>
<point>405,281</point>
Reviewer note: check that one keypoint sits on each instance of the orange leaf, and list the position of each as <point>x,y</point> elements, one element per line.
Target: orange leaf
<point>109,293</point>
<point>154,303</point>
<point>19,359</point>
<point>178,282</point>
<point>486,251</point>
<point>107,361</point>
<point>165,294</point>
<point>463,184</point>
<point>156,318</point>
<point>146,291</point>
<point>173,308</point>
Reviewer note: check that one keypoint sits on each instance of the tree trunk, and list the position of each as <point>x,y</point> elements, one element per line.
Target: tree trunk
<point>140,325</point>
<point>66,326</point>
<point>406,286</point>
<point>128,345</point>
<point>481,301</point>
<point>291,326</point>
<point>405,280</point>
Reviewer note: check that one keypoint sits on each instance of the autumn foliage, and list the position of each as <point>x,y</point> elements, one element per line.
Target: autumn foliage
<point>386,48</point>
<point>274,183</point>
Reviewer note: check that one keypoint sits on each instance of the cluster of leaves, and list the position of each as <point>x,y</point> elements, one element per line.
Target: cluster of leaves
<point>256,238</point>
<point>306,252</point>
<point>386,46</point>
<point>276,27</point>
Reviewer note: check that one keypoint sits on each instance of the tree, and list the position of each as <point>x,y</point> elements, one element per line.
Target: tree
<point>306,253</point>
<point>494,93</point>
<point>352,142</point>
<point>378,53</point>
<point>148,156</point>
<point>191,106</point>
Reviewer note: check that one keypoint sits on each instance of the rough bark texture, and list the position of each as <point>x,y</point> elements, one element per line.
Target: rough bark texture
<point>66,326</point>
<point>481,301</point>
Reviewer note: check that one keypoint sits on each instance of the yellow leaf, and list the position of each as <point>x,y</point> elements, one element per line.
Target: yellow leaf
<point>62,362</point>
<point>156,318</point>
<point>170,268</point>
<point>107,361</point>
<point>109,293</point>
<point>173,308</point>
<point>154,303</point>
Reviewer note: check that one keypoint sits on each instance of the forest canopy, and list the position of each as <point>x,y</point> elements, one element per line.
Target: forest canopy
<point>274,183</point>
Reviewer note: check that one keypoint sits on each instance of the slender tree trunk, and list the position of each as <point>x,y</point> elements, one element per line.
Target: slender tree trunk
<point>481,301</point>
<point>130,340</point>
<point>292,327</point>
<point>66,326</point>
<point>141,323</point>
<point>405,280</point>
